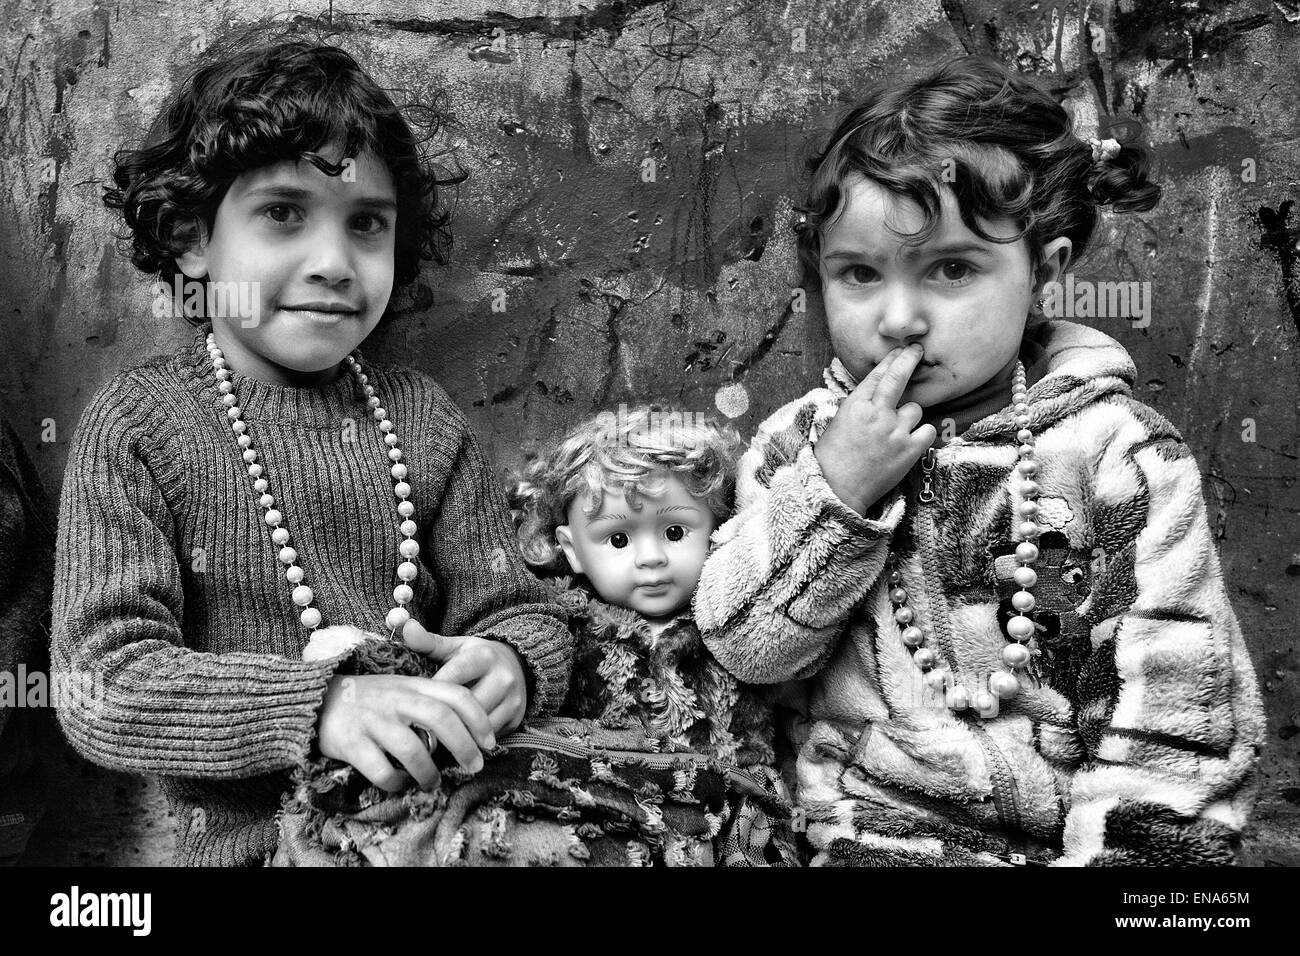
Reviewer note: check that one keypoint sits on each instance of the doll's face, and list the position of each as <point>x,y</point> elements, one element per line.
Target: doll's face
<point>646,559</point>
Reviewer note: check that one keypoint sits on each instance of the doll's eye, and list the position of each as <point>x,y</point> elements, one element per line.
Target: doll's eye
<point>618,539</point>
<point>674,532</point>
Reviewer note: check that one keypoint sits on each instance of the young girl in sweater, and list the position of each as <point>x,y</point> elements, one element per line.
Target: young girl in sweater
<point>990,562</point>
<point>263,491</point>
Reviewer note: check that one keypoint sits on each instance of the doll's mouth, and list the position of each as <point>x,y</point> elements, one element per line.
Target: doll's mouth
<point>654,587</point>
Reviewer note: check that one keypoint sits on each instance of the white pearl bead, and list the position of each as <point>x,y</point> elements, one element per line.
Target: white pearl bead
<point>310,617</point>
<point>396,618</point>
<point>287,555</point>
<point>225,388</point>
<point>408,528</point>
<point>1004,684</point>
<point>1023,601</point>
<point>1025,451</point>
<point>1021,408</point>
<point>244,441</point>
<point>302,595</point>
<point>406,509</point>
<point>1022,420</point>
<point>234,412</point>
<point>223,374</point>
<point>250,455</point>
<point>362,377</point>
<point>255,470</point>
<point>1024,436</point>
<point>957,698</point>
<point>938,679</point>
<point>1015,655</point>
<point>402,490</point>
<point>280,536</point>
<point>394,454</point>
<point>391,440</point>
<point>1028,508</point>
<point>380,413</point>
<point>398,471</point>
<point>1028,529</point>
<point>1026,551</point>
<point>1028,468</point>
<point>986,705</point>
<point>273,517</point>
<point>1026,577</point>
<point>229,400</point>
<point>373,402</point>
<point>925,658</point>
<point>403,594</point>
<point>409,548</point>
<point>239,427</point>
<point>1029,489</point>
<point>1020,627</point>
<point>407,571</point>
<point>386,426</point>
<point>913,636</point>
<point>266,501</point>
<point>903,615</point>
<point>260,485</point>
<point>293,574</point>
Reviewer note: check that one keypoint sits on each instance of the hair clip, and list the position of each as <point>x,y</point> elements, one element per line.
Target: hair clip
<point>1103,150</point>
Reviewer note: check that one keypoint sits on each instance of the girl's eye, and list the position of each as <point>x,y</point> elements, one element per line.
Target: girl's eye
<point>281,214</point>
<point>618,540</point>
<point>370,223</point>
<point>674,532</point>
<point>955,270</point>
<point>857,274</point>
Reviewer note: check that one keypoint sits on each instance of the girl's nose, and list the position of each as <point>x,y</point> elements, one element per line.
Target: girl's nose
<point>902,316</point>
<point>330,259</point>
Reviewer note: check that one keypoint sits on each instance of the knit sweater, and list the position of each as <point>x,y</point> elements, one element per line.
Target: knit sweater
<point>1135,734</point>
<point>170,598</point>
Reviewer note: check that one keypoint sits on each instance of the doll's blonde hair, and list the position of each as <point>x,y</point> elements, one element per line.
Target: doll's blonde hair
<point>633,450</point>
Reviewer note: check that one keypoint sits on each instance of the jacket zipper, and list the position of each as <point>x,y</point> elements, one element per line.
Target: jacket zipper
<point>1004,795</point>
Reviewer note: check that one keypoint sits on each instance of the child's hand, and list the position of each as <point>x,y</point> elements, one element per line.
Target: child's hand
<point>491,669</point>
<point>871,443</point>
<point>366,719</point>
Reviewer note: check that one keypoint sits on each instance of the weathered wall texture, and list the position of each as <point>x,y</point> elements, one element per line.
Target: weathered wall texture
<point>618,289</point>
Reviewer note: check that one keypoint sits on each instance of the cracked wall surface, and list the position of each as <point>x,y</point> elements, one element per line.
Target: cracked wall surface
<point>577,283</point>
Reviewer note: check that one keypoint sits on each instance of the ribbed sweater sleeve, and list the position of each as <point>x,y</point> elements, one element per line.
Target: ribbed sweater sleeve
<point>488,590</point>
<point>155,706</point>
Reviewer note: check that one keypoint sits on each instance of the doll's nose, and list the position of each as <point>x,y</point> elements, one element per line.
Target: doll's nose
<point>650,554</point>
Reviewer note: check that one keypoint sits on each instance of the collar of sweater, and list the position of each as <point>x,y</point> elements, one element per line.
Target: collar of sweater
<point>1071,366</point>
<point>265,402</point>
<point>605,621</point>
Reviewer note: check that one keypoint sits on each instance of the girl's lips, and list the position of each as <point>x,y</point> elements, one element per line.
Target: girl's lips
<point>320,316</point>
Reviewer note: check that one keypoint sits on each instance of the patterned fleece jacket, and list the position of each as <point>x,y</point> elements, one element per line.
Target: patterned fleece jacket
<point>1135,736</point>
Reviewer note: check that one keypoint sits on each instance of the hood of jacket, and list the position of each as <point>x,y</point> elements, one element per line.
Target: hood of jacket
<point>1071,366</point>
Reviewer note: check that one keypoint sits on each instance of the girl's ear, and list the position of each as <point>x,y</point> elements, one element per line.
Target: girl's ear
<point>565,537</point>
<point>1053,262</point>
<point>194,260</point>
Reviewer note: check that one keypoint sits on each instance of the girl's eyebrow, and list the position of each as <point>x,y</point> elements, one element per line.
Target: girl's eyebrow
<point>676,508</point>
<point>911,254</point>
<point>298,194</point>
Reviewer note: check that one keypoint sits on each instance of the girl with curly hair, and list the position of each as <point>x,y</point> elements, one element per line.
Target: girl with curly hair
<point>990,561</point>
<point>237,516</point>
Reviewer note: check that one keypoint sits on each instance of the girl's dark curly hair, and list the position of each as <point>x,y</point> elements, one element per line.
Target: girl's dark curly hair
<point>1005,147</point>
<point>251,106</point>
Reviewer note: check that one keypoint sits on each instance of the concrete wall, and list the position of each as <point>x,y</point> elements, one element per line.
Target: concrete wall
<point>618,289</point>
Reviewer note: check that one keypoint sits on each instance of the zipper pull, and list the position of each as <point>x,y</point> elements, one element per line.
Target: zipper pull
<point>927,477</point>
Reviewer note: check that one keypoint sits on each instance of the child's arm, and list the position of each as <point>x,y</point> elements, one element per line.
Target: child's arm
<point>488,591</point>
<point>138,699</point>
<point>793,560</point>
<point>1168,705</point>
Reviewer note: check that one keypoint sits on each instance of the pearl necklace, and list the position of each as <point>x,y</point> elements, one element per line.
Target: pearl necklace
<point>1020,629</point>
<point>302,595</point>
